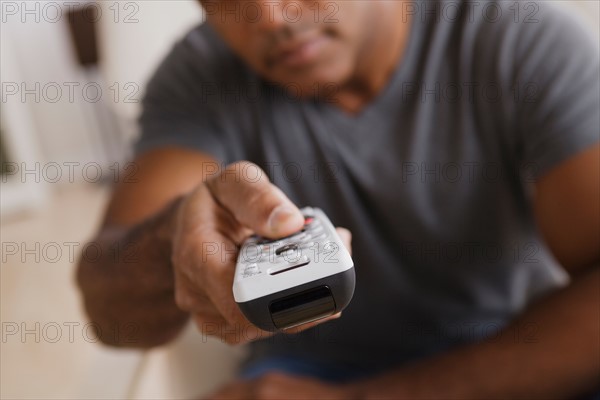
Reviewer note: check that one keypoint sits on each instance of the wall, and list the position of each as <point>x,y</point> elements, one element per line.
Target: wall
<point>133,43</point>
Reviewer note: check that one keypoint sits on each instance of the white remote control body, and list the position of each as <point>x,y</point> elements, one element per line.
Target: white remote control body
<point>290,281</point>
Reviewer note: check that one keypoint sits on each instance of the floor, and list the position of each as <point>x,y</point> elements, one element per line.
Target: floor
<point>49,351</point>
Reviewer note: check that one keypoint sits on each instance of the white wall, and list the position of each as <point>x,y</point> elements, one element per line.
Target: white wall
<point>134,36</point>
<point>41,50</point>
<point>135,43</point>
<point>590,9</point>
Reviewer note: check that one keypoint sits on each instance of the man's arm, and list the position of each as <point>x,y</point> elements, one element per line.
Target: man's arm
<point>154,270</point>
<point>128,290</point>
<point>563,360</point>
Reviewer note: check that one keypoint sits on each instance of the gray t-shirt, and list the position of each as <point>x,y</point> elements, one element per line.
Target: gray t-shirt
<point>433,178</point>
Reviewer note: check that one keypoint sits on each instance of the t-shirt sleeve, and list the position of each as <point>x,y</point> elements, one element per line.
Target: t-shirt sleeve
<point>558,71</point>
<point>176,110</point>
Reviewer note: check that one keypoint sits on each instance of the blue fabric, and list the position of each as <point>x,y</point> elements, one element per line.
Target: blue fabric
<point>303,367</point>
<point>326,372</point>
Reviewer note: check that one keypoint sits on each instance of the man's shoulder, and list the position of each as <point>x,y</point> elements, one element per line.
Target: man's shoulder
<point>503,41</point>
<point>201,58</point>
<point>518,27</point>
<point>203,45</point>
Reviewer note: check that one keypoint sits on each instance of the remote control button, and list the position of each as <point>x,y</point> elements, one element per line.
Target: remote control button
<point>307,245</point>
<point>308,213</point>
<point>304,260</point>
<point>320,237</point>
<point>250,252</point>
<point>270,247</point>
<point>286,248</point>
<point>251,270</point>
<point>317,230</point>
<point>293,240</point>
<point>251,267</point>
<point>267,242</point>
<point>305,239</point>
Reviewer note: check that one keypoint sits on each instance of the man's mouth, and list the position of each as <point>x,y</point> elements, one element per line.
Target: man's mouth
<point>299,52</point>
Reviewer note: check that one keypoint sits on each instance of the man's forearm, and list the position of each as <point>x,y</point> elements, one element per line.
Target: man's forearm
<point>127,283</point>
<point>562,360</point>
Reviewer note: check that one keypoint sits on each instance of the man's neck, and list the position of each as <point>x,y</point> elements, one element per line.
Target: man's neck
<point>377,63</point>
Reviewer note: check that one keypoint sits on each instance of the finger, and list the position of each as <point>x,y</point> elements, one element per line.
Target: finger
<point>312,324</point>
<point>201,305</point>
<point>249,333</point>
<point>201,212</point>
<point>213,303</point>
<point>206,274</point>
<point>216,326</point>
<point>209,325</point>
<point>236,390</point>
<point>244,189</point>
<point>230,227</point>
<point>216,255</point>
<point>346,237</point>
<point>188,300</point>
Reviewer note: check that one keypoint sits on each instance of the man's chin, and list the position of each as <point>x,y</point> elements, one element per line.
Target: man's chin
<point>309,90</point>
<point>317,84</point>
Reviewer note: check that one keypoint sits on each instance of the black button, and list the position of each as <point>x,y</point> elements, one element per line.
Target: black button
<point>287,247</point>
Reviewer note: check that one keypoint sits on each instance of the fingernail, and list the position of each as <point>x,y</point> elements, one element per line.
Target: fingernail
<point>279,217</point>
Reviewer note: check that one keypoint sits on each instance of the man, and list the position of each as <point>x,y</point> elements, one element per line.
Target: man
<point>457,141</point>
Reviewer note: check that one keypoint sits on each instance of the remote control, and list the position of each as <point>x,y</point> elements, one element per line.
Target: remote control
<point>287,282</point>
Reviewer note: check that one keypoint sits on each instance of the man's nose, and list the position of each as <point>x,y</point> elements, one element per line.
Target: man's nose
<point>276,15</point>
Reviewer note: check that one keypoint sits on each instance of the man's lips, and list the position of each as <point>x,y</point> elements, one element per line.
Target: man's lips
<point>299,52</point>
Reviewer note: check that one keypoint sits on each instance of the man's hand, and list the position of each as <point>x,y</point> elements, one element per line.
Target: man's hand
<point>183,221</point>
<point>212,223</point>
<point>281,386</point>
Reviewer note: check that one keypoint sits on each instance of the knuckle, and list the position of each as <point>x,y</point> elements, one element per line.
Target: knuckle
<point>179,255</point>
<point>188,297</point>
<point>258,195</point>
<point>259,200</point>
<point>249,171</point>
<point>227,314</point>
<point>183,300</point>
<point>239,172</point>
<point>268,385</point>
<point>200,321</point>
<point>188,272</point>
<point>217,273</point>
<point>175,259</point>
